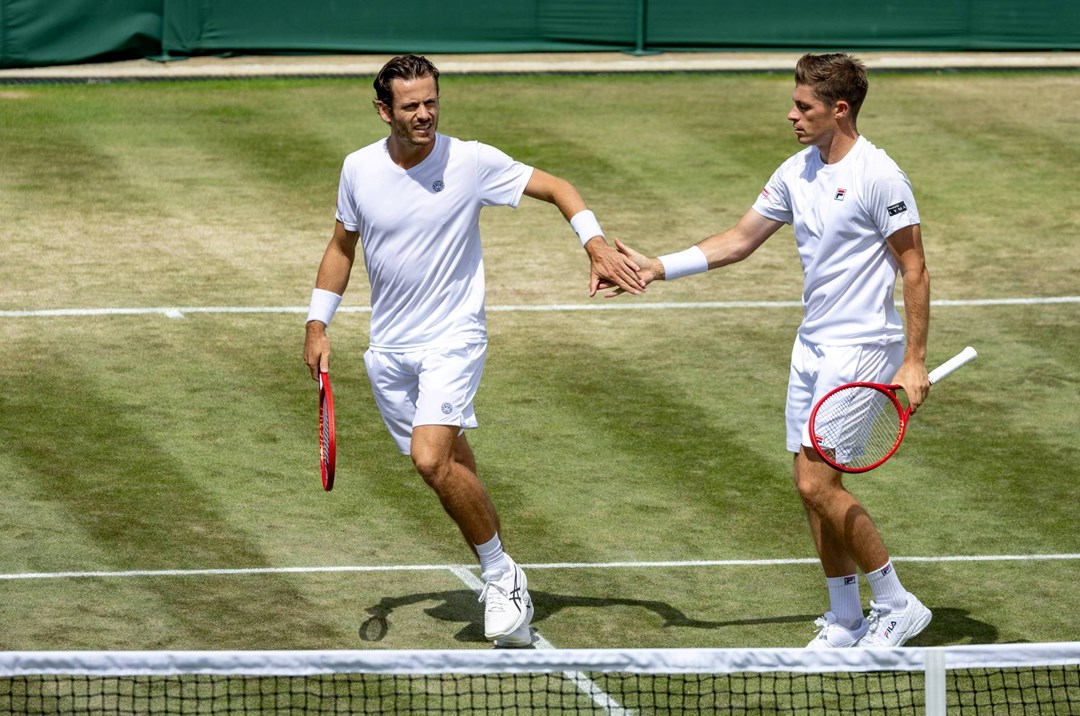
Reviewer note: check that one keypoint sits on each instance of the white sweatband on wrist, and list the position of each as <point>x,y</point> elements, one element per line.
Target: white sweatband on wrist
<point>586,226</point>
<point>323,306</point>
<point>684,263</point>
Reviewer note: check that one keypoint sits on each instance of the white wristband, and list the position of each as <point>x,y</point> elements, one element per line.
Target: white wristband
<point>684,263</point>
<point>586,226</point>
<point>323,306</point>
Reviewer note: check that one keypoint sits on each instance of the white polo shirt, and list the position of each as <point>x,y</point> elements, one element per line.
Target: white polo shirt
<point>420,233</point>
<point>841,214</point>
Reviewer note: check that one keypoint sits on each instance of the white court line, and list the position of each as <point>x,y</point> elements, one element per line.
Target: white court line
<point>551,565</point>
<point>584,684</point>
<point>623,305</point>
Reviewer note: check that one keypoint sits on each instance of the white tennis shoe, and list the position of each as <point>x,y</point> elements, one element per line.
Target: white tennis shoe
<point>507,605</point>
<point>522,637</point>
<point>832,635</point>
<point>893,628</point>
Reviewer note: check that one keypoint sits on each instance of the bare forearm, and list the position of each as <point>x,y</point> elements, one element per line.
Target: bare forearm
<point>916,285</point>
<point>557,191</point>
<point>334,271</point>
<point>337,261</point>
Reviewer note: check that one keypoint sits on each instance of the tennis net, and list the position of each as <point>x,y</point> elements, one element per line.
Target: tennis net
<point>994,679</point>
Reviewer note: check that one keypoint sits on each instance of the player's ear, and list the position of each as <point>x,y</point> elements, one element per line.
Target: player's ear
<point>383,110</point>
<point>841,109</point>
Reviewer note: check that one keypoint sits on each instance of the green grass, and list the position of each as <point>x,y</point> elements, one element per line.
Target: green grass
<point>148,443</point>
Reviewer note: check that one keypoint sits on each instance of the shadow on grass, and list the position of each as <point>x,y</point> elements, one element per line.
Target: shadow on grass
<point>461,606</point>
<point>950,626</point>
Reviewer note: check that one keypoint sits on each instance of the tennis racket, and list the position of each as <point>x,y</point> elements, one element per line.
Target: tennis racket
<point>859,426</point>
<point>327,433</point>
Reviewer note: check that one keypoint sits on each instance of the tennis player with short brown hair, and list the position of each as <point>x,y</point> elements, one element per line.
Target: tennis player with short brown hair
<point>856,226</point>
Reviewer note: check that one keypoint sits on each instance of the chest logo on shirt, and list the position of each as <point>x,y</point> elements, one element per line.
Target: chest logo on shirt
<point>840,194</point>
<point>897,208</point>
<point>438,186</point>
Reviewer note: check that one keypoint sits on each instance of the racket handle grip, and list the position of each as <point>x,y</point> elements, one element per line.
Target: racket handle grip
<point>957,361</point>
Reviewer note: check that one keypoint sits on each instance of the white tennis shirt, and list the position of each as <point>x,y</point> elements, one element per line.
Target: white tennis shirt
<point>842,213</point>
<point>420,232</point>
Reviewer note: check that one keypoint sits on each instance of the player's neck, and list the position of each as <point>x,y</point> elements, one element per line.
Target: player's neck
<point>405,154</point>
<point>838,144</point>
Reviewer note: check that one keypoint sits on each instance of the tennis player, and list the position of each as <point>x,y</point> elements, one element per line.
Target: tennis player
<point>413,201</point>
<point>856,226</point>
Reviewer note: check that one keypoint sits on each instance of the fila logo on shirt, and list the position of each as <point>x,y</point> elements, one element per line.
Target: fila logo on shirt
<point>897,208</point>
<point>840,194</point>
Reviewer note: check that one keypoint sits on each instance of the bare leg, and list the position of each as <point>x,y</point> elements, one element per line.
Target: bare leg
<point>843,532</point>
<point>446,462</point>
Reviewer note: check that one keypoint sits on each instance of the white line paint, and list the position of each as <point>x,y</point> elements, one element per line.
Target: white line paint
<point>583,683</point>
<point>461,568</point>
<point>622,305</point>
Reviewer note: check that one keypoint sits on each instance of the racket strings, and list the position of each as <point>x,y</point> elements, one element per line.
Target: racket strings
<point>858,426</point>
<point>324,431</point>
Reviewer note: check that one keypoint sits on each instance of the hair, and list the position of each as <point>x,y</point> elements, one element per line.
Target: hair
<point>403,67</point>
<point>834,77</point>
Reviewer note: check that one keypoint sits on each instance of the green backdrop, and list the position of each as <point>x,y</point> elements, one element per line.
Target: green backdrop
<point>45,32</point>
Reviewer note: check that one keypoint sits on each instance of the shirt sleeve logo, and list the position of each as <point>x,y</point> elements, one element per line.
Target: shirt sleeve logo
<point>897,208</point>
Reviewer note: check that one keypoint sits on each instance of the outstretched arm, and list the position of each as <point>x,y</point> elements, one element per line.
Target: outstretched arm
<point>718,250</point>
<point>330,284</point>
<point>906,246</point>
<point>607,264</point>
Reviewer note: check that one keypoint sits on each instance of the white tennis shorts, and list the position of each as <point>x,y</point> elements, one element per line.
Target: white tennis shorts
<point>817,369</point>
<point>434,386</point>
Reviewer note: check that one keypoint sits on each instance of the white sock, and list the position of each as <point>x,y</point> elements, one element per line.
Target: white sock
<point>844,601</point>
<point>493,561</point>
<point>886,587</point>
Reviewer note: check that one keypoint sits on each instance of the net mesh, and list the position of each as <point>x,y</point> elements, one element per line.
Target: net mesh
<point>857,426</point>
<point>1044,679</point>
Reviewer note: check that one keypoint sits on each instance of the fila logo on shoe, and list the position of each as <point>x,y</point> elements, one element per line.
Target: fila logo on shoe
<point>888,629</point>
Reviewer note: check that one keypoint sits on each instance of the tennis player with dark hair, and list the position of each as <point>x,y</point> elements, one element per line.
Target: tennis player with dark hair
<point>856,226</point>
<point>413,200</point>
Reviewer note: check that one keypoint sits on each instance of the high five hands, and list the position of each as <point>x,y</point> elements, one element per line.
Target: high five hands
<point>648,270</point>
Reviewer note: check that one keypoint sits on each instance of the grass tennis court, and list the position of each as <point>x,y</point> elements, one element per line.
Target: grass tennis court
<point>614,442</point>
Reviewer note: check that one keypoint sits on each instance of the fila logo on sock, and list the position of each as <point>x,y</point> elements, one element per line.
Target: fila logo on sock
<point>851,579</point>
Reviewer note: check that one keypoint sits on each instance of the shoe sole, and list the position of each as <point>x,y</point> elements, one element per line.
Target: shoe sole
<point>522,636</point>
<point>520,639</point>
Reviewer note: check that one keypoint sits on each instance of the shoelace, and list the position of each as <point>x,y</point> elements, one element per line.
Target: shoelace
<point>822,624</point>
<point>874,618</point>
<point>497,603</point>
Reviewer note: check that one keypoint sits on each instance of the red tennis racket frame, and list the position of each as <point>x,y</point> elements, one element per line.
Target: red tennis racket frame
<point>945,369</point>
<point>327,432</point>
<point>889,391</point>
